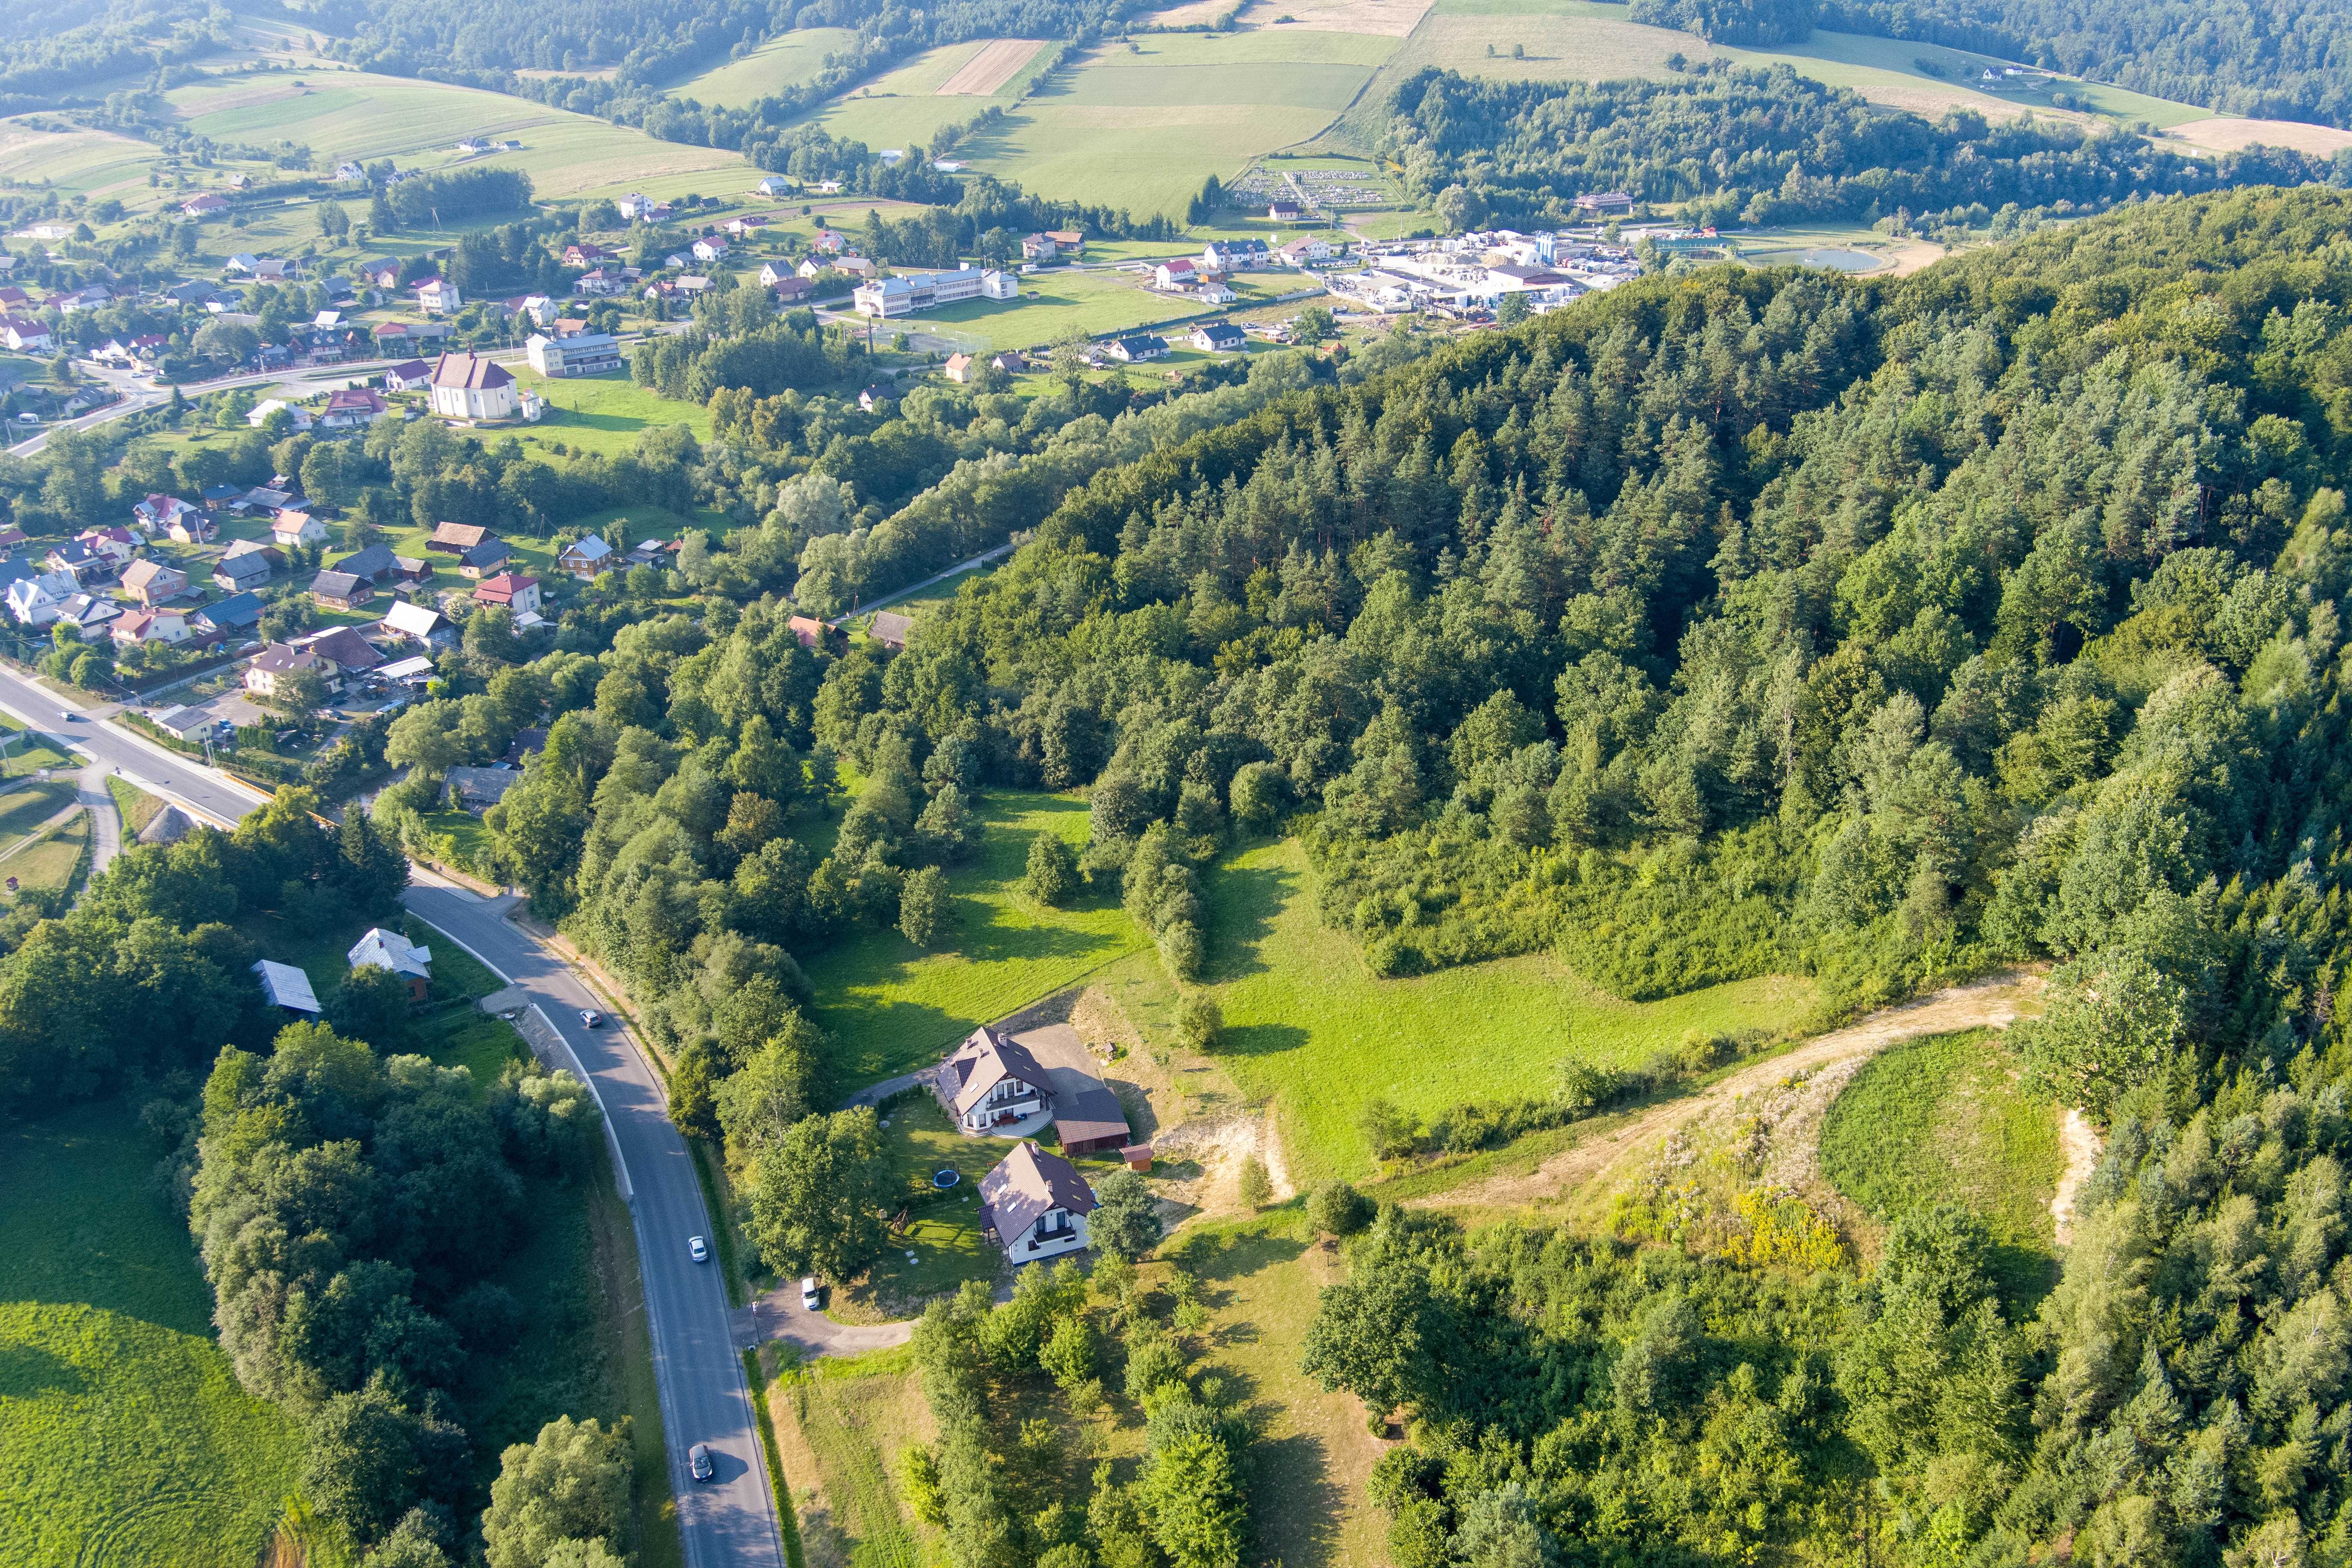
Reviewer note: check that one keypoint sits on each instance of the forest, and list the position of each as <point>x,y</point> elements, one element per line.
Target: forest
<point>1737,144</point>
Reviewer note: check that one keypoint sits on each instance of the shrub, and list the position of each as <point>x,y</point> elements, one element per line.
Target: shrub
<point>1052,874</point>
<point>1338,1209</point>
<point>1257,1187</point>
<point>1200,1022</point>
<point>1126,1220</point>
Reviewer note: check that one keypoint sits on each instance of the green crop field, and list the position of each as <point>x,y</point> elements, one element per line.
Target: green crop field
<point>890,1007</point>
<point>95,163</point>
<point>1138,126</point>
<point>1940,1120</point>
<point>1307,1027</point>
<point>341,114</point>
<point>123,1435</point>
<point>784,61</point>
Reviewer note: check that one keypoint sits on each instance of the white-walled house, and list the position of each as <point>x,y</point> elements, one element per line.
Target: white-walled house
<point>990,1081</point>
<point>1034,1205</point>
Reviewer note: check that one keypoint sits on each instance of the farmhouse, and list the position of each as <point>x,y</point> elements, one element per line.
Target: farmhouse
<point>959,368</point>
<point>282,985</point>
<point>412,621</point>
<point>585,557</point>
<point>774,186</point>
<point>152,582</point>
<point>468,386</point>
<point>1218,337</point>
<point>381,949</point>
<point>203,206</point>
<point>710,247</point>
<point>235,573</point>
<point>890,628</point>
<point>519,594</point>
<point>1034,1205</point>
<point>377,563</point>
<point>342,590</point>
<point>456,538</point>
<point>485,559</point>
<point>810,632</point>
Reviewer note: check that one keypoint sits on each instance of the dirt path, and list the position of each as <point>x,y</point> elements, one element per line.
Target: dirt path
<point>1995,1003</point>
<point>2084,1147</point>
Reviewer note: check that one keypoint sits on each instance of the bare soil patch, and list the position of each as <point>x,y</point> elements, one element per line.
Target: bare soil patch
<point>2221,135</point>
<point>1820,1066</point>
<point>991,68</point>
<point>2083,1146</point>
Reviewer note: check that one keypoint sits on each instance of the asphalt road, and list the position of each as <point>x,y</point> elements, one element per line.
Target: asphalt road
<point>730,1520</point>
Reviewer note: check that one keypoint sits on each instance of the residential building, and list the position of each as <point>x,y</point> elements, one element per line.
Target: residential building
<point>236,616</point>
<point>1223,255</point>
<point>1215,294</point>
<point>1137,349</point>
<point>912,291</point>
<point>811,632</point>
<point>749,223</point>
<point>875,395</point>
<point>468,386</point>
<point>1218,337</point>
<point>408,376</point>
<point>1012,362</point>
<point>353,408</point>
<point>439,297</point>
<point>203,206</point>
<point>279,660</point>
<point>542,311</point>
<point>829,242</point>
<point>185,722</point>
<point>36,601</point>
<point>484,560</point>
<point>292,529</point>
<point>347,171</point>
<point>414,622</point>
<point>1068,241</point>
<point>88,611</point>
<point>149,626</point>
<point>152,582</point>
<point>381,949</point>
<point>377,563</point>
<point>602,283</point>
<point>585,558</point>
<point>519,594</point>
<point>890,628</point>
<point>343,647</point>
<point>959,368</point>
<point>710,247</point>
<point>27,335</point>
<point>1306,249</point>
<point>115,543</point>
<point>774,186</point>
<point>298,418</point>
<point>792,291</point>
<point>1034,1205</point>
<point>382,273</point>
<point>584,255</point>
<point>1178,274</point>
<point>235,573</point>
<point>80,563</point>
<point>992,1081</point>
<point>478,789</point>
<point>342,590</point>
<point>580,353</point>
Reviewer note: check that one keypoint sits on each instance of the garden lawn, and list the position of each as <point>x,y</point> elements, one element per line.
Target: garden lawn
<point>1941,1120</point>
<point>1309,1029</point>
<point>943,1228</point>
<point>601,414</point>
<point>123,1435</point>
<point>785,60</point>
<point>890,1007</point>
<point>50,860</point>
<point>27,806</point>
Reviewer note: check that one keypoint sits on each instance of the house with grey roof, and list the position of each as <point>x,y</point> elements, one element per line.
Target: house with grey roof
<point>1034,1205</point>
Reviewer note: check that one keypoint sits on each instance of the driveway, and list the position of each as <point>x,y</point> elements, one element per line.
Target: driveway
<point>778,1315</point>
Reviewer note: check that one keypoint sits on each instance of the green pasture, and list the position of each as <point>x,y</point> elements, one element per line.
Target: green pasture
<point>1309,1029</point>
<point>1941,1120</point>
<point>1888,72</point>
<point>890,1007</point>
<point>95,163</point>
<point>783,61</point>
<point>123,1433</point>
<point>24,808</point>
<point>1137,125</point>
<point>1053,303</point>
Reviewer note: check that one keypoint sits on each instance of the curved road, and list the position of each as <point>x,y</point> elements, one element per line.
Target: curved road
<point>729,1522</point>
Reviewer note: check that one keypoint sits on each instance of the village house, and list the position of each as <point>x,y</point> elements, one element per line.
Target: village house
<point>154,514</point>
<point>1283,212</point>
<point>416,623</point>
<point>749,223</point>
<point>298,418</point>
<point>283,986</point>
<point>710,247</point>
<point>278,660</point>
<point>959,368</point>
<point>1178,274</point>
<point>519,594</point>
<point>292,529</point>
<point>341,590</point>
<point>585,558</point>
<point>439,297</point>
<point>352,408</point>
<point>115,543</point>
<point>149,626</point>
<point>484,560</point>
<point>152,582</point>
<point>1306,249</point>
<point>774,186</point>
<point>203,206</point>
<point>890,629</point>
<point>1034,1205</point>
<point>381,949</point>
<point>235,573</point>
<point>38,601</point>
<point>27,335</point>
<point>233,616</point>
<point>1219,337</point>
<point>811,632</point>
<point>80,563</point>
<point>377,563</point>
<point>88,611</point>
<point>410,375</point>
<point>1137,349</point>
<point>468,386</point>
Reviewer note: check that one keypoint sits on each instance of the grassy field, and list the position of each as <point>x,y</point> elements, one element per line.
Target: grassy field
<point>783,61</point>
<point>135,805</point>
<point>341,114</point>
<point>1307,1027</point>
<point>50,858</point>
<point>891,1008</point>
<point>840,1426</point>
<point>1939,1120</point>
<point>1135,125</point>
<point>942,1232</point>
<point>1888,72</point>
<point>1052,304</point>
<point>123,1435</point>
<point>24,808</point>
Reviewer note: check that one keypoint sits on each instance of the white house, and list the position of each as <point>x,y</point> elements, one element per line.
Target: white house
<point>381,949</point>
<point>412,621</point>
<point>27,335</point>
<point>992,1081</point>
<point>36,601</point>
<point>912,291</point>
<point>1178,274</point>
<point>710,247</point>
<point>290,529</point>
<point>439,297</point>
<point>468,386</point>
<point>774,186</point>
<point>259,414</point>
<point>1034,1205</point>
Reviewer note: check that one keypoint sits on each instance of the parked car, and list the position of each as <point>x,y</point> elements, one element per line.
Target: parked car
<point>810,1294</point>
<point>698,1461</point>
<point>698,1250</point>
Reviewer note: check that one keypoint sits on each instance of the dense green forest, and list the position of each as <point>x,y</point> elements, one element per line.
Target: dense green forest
<point>1739,145</point>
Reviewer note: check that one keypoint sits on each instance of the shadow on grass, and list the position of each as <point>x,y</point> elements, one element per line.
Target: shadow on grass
<point>1246,901</point>
<point>1262,1039</point>
<point>28,1371</point>
<point>1237,1257</point>
<point>1292,1484</point>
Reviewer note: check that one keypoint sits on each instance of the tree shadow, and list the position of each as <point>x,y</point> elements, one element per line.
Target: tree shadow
<point>1230,1257</point>
<point>1248,899</point>
<point>1291,1484</point>
<point>26,1372</point>
<point>1262,1039</point>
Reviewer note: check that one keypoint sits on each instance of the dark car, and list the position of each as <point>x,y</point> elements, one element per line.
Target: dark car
<point>698,1461</point>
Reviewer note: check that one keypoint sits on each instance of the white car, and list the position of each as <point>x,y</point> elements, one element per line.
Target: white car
<point>809,1293</point>
<point>698,1250</point>
<point>591,1019</point>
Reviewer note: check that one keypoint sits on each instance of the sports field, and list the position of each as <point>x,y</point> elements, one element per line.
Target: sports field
<point>1309,1029</point>
<point>1137,125</point>
<point>785,60</point>
<point>1050,303</point>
